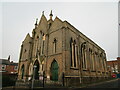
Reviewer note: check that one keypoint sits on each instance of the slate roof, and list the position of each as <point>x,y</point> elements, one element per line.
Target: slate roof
<point>7,62</point>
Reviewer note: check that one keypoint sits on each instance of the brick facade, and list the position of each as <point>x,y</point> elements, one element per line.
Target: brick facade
<point>114,66</point>
<point>8,67</point>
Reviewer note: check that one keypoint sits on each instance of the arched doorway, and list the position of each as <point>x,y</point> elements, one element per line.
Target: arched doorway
<point>22,71</point>
<point>54,71</point>
<point>36,70</point>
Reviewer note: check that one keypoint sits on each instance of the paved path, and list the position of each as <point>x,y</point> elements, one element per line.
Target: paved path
<point>108,84</point>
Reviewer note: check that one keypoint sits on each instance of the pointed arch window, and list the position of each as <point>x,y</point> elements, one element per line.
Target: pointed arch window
<point>71,50</point>
<point>73,53</point>
<point>54,45</point>
<point>96,63</point>
<point>22,71</point>
<point>104,64</point>
<point>104,61</point>
<point>101,61</point>
<point>92,59</point>
<point>42,43</point>
<point>83,55</point>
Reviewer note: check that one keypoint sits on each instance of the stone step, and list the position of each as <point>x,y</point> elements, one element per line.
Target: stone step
<point>22,84</point>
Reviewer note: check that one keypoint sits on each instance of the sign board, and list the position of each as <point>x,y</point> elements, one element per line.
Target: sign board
<point>114,75</point>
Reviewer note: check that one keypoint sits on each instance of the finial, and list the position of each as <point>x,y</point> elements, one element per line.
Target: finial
<point>42,12</point>
<point>51,15</point>
<point>36,22</point>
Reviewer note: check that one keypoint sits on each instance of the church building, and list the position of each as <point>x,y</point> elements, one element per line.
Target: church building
<point>58,52</point>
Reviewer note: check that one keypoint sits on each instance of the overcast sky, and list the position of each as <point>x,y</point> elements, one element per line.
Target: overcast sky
<point>97,20</point>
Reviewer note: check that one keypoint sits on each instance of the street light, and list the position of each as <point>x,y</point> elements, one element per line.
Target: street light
<point>33,75</point>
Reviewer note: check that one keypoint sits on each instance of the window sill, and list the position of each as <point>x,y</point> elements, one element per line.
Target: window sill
<point>85,70</point>
<point>75,68</point>
<point>98,71</point>
<point>93,70</point>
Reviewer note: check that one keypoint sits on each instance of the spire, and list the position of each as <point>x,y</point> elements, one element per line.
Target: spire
<point>36,22</point>
<point>42,12</point>
<point>51,15</point>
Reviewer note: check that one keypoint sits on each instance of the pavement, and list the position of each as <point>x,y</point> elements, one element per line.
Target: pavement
<point>114,83</point>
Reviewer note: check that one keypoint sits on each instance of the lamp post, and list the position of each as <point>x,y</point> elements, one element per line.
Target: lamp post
<point>33,78</point>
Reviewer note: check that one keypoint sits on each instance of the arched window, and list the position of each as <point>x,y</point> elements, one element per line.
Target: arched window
<point>104,64</point>
<point>71,42</point>
<point>93,61</point>
<point>22,71</point>
<point>96,63</point>
<point>54,45</point>
<point>101,61</point>
<point>74,51</point>
<point>104,61</point>
<point>83,55</point>
<point>42,43</point>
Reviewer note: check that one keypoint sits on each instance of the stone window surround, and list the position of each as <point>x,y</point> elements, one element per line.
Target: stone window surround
<point>84,55</point>
<point>74,54</point>
<point>55,45</point>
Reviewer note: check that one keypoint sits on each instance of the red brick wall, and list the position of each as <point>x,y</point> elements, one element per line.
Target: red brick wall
<point>112,64</point>
<point>9,69</point>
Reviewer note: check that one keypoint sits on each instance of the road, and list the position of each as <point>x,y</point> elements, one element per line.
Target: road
<point>109,84</point>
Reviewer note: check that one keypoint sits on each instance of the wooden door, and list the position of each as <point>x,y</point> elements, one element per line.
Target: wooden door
<point>54,71</point>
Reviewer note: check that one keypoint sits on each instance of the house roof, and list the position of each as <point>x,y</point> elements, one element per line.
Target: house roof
<point>112,62</point>
<point>7,62</point>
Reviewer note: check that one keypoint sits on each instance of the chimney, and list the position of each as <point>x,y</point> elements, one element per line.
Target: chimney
<point>9,58</point>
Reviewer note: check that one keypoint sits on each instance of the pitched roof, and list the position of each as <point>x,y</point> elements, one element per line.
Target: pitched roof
<point>43,18</point>
<point>68,24</point>
<point>4,61</point>
<point>7,62</point>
